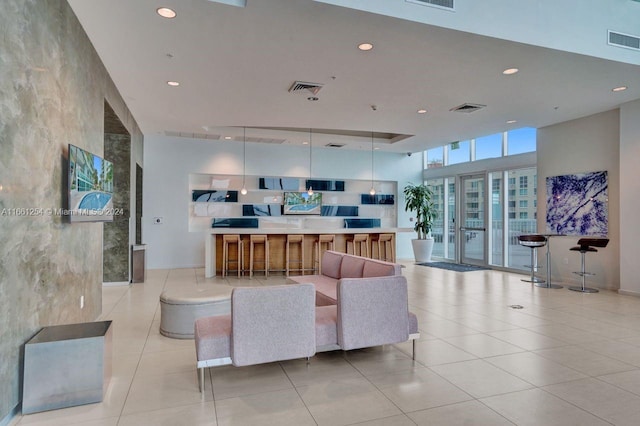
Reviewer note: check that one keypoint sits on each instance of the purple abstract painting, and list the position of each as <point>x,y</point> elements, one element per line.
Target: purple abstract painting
<point>578,204</point>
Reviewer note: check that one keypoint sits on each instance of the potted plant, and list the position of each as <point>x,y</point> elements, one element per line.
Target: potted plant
<point>418,200</point>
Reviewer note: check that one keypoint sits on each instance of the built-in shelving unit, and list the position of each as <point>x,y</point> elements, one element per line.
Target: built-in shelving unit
<point>214,197</point>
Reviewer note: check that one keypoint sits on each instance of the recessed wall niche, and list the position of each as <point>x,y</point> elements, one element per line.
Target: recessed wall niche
<point>117,149</point>
<point>341,201</point>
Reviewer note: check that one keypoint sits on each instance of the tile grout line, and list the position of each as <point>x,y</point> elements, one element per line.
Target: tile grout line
<point>166,278</point>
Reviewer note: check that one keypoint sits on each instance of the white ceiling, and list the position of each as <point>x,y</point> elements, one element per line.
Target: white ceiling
<point>235,66</point>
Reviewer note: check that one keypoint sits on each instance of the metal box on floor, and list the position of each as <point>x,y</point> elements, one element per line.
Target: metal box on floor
<point>66,365</point>
<point>138,267</point>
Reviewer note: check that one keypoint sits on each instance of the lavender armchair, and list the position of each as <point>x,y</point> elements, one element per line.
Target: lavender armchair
<point>266,324</point>
<point>370,312</point>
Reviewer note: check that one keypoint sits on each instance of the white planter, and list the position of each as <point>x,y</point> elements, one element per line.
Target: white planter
<point>422,249</point>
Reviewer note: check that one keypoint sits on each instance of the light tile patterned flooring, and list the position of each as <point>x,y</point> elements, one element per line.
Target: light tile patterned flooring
<point>565,359</point>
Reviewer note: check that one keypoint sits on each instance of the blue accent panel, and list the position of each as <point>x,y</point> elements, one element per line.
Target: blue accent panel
<point>362,223</point>
<point>287,184</point>
<point>214,196</point>
<point>387,199</point>
<point>325,185</point>
<point>234,222</point>
<point>261,210</point>
<point>339,211</point>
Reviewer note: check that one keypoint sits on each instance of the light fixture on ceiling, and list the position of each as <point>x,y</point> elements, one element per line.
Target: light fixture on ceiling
<point>619,89</point>
<point>422,111</point>
<point>310,190</point>
<point>372,191</point>
<point>227,138</point>
<point>511,121</point>
<point>365,47</point>
<point>243,191</point>
<point>510,71</point>
<point>173,83</point>
<point>166,12</point>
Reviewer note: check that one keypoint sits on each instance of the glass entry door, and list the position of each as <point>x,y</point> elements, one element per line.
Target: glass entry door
<point>473,217</point>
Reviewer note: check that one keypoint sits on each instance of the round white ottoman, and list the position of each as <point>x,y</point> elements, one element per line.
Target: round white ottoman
<point>179,308</point>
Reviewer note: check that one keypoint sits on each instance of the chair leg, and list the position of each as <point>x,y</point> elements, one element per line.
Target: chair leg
<point>413,355</point>
<point>201,379</point>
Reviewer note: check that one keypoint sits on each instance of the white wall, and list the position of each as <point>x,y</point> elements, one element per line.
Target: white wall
<point>583,145</point>
<point>169,161</point>
<point>577,26</point>
<point>629,194</point>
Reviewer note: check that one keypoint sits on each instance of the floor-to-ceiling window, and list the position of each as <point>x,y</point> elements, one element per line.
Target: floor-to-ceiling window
<point>496,218</point>
<point>444,202</point>
<point>504,164</point>
<point>521,212</point>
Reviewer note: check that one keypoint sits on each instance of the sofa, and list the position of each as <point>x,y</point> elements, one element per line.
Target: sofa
<point>360,302</point>
<point>336,266</point>
<point>356,303</point>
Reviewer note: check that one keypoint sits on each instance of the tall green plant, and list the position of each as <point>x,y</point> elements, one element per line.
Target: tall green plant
<point>418,199</point>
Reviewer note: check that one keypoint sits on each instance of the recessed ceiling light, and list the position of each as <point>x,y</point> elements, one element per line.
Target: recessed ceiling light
<point>510,71</point>
<point>422,111</point>
<point>619,89</point>
<point>376,148</point>
<point>165,12</point>
<point>365,46</point>
<point>511,121</point>
<point>227,138</point>
<point>305,143</point>
<point>173,83</point>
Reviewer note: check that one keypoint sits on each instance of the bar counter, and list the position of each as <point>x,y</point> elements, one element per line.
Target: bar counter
<point>277,241</point>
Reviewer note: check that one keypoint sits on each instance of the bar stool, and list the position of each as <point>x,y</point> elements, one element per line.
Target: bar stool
<point>533,241</point>
<point>584,246</point>
<point>259,239</point>
<point>295,239</point>
<point>226,241</point>
<point>549,284</point>
<point>329,240</point>
<point>380,241</point>
<point>361,241</point>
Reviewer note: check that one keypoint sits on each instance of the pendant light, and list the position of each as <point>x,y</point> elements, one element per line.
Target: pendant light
<point>372,191</point>
<point>310,190</point>
<point>243,191</point>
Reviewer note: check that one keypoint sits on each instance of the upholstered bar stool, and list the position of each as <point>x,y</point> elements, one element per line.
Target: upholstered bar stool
<point>586,245</point>
<point>533,241</point>
<point>383,241</point>
<point>259,239</point>
<point>359,244</point>
<point>228,240</point>
<point>327,240</point>
<point>295,239</point>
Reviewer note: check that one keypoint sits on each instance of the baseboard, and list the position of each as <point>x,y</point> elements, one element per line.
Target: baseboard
<point>116,284</point>
<point>11,418</point>
<point>629,292</point>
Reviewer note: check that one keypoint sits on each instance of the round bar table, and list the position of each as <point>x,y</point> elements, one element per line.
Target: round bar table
<point>548,283</point>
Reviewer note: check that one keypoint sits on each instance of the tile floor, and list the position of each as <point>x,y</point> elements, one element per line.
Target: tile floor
<point>565,359</point>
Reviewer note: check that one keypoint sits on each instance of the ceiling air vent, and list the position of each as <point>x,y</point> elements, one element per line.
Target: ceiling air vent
<point>302,86</point>
<point>624,40</point>
<point>192,135</point>
<point>443,4</point>
<point>467,108</point>
<point>267,140</point>
<point>335,145</point>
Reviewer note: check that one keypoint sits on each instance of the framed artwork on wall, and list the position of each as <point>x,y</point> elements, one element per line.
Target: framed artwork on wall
<point>577,204</point>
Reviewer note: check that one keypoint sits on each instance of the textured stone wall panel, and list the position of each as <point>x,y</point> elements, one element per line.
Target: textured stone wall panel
<point>52,93</point>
